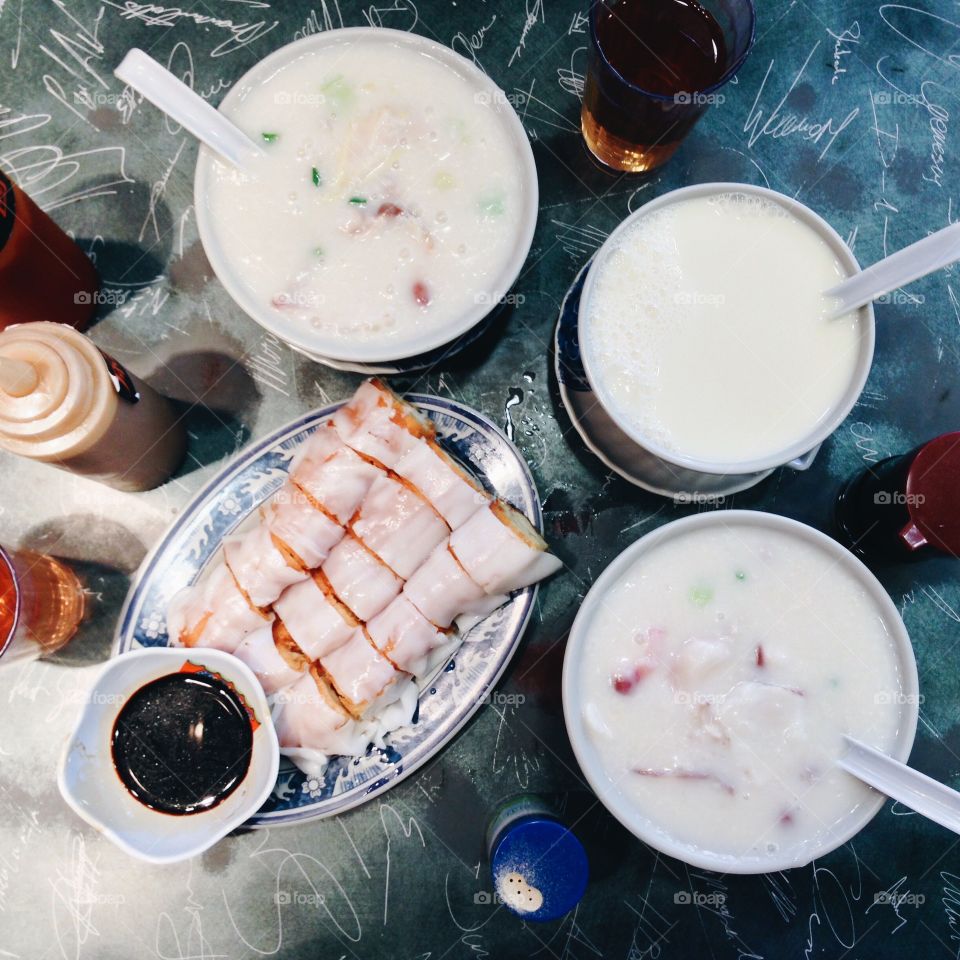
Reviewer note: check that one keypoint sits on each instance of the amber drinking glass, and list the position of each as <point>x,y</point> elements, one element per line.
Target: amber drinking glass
<point>654,68</point>
<point>41,605</point>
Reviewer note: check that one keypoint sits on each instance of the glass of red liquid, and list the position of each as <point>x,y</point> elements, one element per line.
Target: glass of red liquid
<point>655,66</point>
<point>41,605</point>
<point>906,502</point>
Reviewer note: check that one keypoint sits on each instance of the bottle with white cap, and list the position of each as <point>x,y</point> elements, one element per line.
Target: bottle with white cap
<point>64,402</point>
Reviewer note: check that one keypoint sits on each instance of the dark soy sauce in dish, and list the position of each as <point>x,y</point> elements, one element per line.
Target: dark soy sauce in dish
<point>181,744</point>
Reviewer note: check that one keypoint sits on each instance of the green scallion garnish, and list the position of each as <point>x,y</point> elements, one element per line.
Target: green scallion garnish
<point>358,201</point>
<point>315,177</point>
<point>269,137</point>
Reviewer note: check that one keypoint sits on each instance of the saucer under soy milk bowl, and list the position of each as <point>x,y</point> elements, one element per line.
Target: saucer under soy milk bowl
<point>393,207</point>
<point>134,791</point>
<point>704,342</point>
<point>709,679</point>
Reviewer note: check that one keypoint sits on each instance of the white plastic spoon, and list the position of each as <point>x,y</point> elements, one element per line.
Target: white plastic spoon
<point>938,250</point>
<point>190,110</point>
<point>916,790</point>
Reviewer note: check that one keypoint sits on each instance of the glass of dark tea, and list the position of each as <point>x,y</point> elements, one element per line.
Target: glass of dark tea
<point>655,66</point>
<point>41,605</point>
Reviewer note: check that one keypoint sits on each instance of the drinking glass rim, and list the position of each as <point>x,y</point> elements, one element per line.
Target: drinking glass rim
<point>724,78</point>
<point>7,561</point>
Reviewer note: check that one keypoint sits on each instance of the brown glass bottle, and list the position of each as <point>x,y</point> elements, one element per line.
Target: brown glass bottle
<point>44,275</point>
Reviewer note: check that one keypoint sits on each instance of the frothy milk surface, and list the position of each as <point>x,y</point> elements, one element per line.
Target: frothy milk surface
<point>708,326</point>
<point>389,200</point>
<point>718,677</point>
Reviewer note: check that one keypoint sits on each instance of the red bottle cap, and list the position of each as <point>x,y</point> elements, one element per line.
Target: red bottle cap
<point>933,496</point>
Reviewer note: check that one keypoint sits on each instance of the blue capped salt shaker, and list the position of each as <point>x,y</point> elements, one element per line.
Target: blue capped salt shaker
<point>539,867</point>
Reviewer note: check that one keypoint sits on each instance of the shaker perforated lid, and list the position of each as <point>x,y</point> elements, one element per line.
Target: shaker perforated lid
<point>539,868</point>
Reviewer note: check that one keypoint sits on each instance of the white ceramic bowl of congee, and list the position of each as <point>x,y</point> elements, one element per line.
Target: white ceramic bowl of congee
<point>676,280</point>
<point>710,676</point>
<point>395,204</point>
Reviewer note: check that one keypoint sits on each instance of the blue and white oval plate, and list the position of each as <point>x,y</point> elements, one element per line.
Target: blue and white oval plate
<point>447,701</point>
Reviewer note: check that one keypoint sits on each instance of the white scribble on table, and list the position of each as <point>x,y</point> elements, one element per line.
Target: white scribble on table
<point>325,20</point>
<point>578,24</point>
<point>866,441</point>
<point>779,125</point>
<point>535,13</point>
<point>73,899</point>
<point>239,36</point>
<point>182,227</point>
<point>26,826</point>
<point>70,692</point>
<point>938,118</point>
<point>15,52</point>
<point>407,827</point>
<point>782,895</point>
<point>296,870</point>
<point>954,302</point>
<point>324,396</point>
<point>149,300</point>
<point>76,54</point>
<point>906,12</point>
<point>45,171</point>
<point>399,15</point>
<point>354,846</point>
<point>941,604</point>
<point>896,896</point>
<point>571,79</point>
<point>821,916</point>
<point>461,927</point>
<point>266,364</point>
<point>194,945</point>
<point>14,124</point>
<point>29,683</point>
<point>634,195</point>
<point>467,44</point>
<point>871,398</point>
<point>157,192</point>
<point>842,43</point>
<point>571,935</point>
<point>474,943</point>
<point>951,905</point>
<point>715,904</point>
<point>578,240</point>
<point>180,64</point>
<point>509,751</point>
<point>650,933</point>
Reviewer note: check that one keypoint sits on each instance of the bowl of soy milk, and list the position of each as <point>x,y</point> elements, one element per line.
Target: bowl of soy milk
<point>706,338</point>
<point>394,205</point>
<point>708,681</point>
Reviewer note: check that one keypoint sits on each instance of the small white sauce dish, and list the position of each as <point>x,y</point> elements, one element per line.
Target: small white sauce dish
<point>91,785</point>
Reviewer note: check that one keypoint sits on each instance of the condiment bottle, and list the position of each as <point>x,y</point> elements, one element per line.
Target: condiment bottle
<point>44,275</point>
<point>905,502</point>
<point>64,402</point>
<point>539,867</point>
